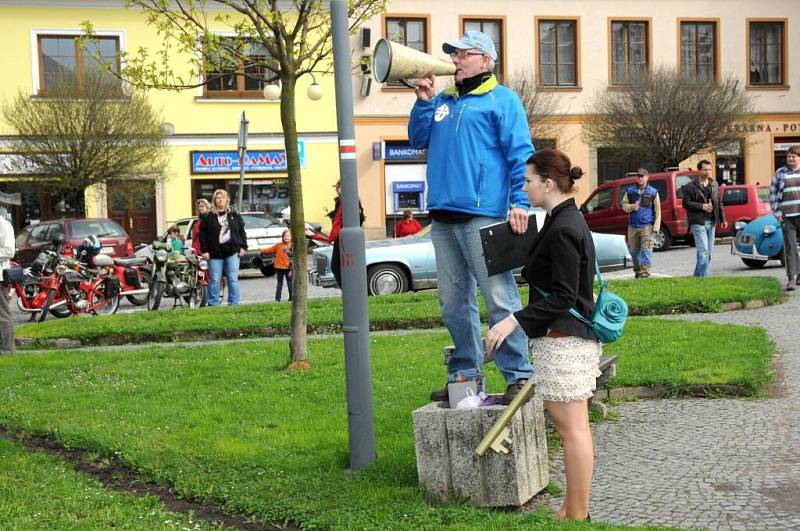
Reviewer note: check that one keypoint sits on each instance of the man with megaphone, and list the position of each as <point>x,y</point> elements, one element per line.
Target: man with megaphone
<point>478,140</point>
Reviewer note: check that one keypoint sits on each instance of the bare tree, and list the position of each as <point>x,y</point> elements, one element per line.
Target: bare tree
<point>666,117</point>
<point>85,132</point>
<point>296,36</point>
<point>540,106</point>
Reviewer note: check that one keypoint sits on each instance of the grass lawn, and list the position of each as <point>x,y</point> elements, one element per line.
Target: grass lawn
<point>228,424</point>
<point>408,310</point>
<point>40,492</point>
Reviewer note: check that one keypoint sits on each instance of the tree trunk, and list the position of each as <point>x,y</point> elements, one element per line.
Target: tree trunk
<point>298,344</point>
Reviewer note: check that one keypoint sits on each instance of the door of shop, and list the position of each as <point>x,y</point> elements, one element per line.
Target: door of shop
<point>133,205</point>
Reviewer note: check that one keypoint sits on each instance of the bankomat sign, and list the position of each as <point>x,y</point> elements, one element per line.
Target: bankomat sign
<point>404,152</point>
<point>268,160</point>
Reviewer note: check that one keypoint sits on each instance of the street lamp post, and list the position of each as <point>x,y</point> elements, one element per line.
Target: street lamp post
<point>358,366</point>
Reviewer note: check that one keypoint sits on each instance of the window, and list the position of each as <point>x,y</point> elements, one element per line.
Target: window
<point>63,58</point>
<point>494,29</point>
<point>766,59</point>
<point>629,52</point>
<point>411,32</point>
<point>557,53</point>
<point>699,49</point>
<point>680,182</point>
<point>238,70</point>
<point>600,201</point>
<point>734,196</point>
<point>544,143</point>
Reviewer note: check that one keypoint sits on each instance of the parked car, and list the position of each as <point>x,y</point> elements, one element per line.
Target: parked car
<point>34,239</point>
<point>743,203</point>
<point>262,231</point>
<point>759,241</point>
<point>603,209</point>
<point>396,265</point>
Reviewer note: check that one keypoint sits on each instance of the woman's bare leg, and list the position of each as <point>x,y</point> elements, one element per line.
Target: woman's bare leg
<point>572,424</point>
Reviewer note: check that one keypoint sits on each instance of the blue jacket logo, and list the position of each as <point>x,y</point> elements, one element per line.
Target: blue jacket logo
<point>441,112</point>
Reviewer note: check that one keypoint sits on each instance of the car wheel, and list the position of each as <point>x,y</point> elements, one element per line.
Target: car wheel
<point>661,240</point>
<point>384,279</point>
<point>754,264</point>
<point>782,257</point>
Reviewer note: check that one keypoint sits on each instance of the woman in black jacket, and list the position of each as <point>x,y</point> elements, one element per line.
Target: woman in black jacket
<point>560,271</point>
<point>223,241</point>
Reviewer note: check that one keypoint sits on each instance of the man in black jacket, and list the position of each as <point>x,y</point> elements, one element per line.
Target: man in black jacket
<point>704,210</point>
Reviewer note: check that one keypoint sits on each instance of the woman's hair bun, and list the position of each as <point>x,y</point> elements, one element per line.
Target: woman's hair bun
<point>575,173</point>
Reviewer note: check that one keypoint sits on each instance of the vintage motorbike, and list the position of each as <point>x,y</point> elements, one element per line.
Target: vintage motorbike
<point>175,275</point>
<point>27,283</point>
<point>85,290</point>
<point>133,272</point>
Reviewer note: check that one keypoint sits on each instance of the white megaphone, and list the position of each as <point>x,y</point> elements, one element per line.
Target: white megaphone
<point>395,62</point>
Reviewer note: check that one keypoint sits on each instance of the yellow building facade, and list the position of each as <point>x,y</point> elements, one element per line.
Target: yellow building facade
<point>201,124</point>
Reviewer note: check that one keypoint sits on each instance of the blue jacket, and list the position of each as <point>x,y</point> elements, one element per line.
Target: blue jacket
<point>646,213</point>
<point>477,148</point>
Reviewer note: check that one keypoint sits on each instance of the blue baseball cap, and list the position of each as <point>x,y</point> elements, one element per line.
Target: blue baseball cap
<point>472,39</point>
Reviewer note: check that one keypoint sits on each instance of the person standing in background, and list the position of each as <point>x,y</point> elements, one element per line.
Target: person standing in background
<point>407,226</point>
<point>643,206</point>
<point>283,263</point>
<point>7,250</point>
<point>704,210</point>
<point>784,198</point>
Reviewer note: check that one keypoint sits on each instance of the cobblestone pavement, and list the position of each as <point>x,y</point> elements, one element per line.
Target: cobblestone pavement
<point>708,463</point>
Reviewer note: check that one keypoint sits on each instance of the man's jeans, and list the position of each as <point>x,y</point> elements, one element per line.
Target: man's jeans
<point>230,267</point>
<point>704,243</point>
<point>460,270</point>
<point>640,244</point>
<point>790,227</point>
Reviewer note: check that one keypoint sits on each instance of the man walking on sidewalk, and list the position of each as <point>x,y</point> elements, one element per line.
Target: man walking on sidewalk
<point>784,199</point>
<point>704,210</point>
<point>643,206</point>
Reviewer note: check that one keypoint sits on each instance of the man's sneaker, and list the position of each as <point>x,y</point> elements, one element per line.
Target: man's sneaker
<point>439,395</point>
<point>791,285</point>
<point>511,391</point>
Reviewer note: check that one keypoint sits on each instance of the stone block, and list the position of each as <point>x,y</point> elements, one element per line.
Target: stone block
<point>451,471</point>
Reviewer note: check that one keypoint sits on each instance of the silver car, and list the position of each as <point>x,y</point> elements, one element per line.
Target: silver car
<point>402,264</point>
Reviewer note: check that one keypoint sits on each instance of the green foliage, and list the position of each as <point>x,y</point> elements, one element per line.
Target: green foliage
<point>391,312</point>
<point>40,492</point>
<point>226,423</point>
<point>686,356</point>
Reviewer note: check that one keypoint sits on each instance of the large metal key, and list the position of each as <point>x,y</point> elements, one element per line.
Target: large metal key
<point>499,434</point>
<point>498,445</point>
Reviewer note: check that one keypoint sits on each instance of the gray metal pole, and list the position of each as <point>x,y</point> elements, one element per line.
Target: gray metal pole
<point>354,266</point>
<point>243,125</point>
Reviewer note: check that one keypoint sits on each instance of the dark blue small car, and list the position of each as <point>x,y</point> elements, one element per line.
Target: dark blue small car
<point>759,241</point>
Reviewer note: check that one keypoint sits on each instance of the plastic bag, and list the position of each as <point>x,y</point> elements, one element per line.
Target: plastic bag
<point>470,401</point>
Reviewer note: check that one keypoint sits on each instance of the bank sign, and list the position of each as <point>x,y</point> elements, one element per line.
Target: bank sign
<point>257,161</point>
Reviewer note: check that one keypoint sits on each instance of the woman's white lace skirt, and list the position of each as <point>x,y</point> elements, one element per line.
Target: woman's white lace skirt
<point>565,368</point>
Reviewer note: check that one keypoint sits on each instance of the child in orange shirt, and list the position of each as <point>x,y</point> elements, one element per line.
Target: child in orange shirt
<point>283,263</point>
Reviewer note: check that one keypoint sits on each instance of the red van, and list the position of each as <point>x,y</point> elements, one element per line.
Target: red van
<point>603,209</point>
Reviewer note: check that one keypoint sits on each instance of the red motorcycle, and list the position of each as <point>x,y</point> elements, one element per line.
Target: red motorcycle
<point>85,290</point>
<point>29,285</point>
<point>132,273</point>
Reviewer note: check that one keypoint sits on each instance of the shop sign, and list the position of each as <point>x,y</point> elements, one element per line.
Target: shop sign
<point>13,164</point>
<point>405,152</point>
<point>408,186</point>
<point>265,160</point>
<point>761,127</point>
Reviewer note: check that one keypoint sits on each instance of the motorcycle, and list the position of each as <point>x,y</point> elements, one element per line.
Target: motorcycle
<point>133,272</point>
<point>175,275</point>
<point>84,290</point>
<point>27,284</point>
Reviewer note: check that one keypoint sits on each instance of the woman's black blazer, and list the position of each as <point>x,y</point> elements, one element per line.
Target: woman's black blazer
<point>560,263</point>
<point>209,235</point>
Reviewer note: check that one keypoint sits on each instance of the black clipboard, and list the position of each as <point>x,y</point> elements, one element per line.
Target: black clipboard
<point>502,249</point>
